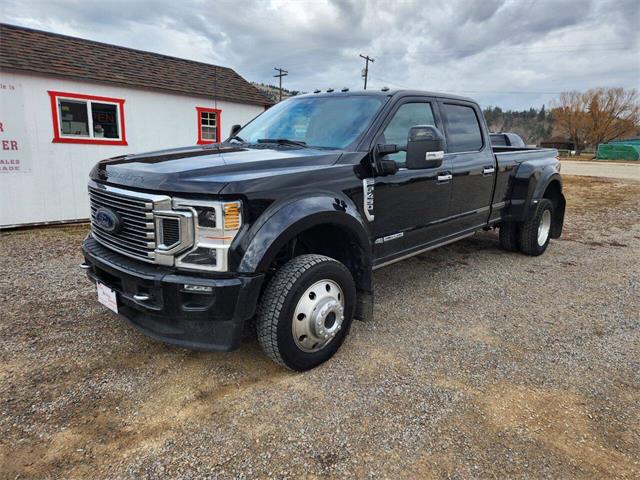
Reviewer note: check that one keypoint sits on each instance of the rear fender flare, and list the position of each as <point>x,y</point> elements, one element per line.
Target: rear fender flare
<point>539,189</point>
<point>530,183</point>
<point>559,204</point>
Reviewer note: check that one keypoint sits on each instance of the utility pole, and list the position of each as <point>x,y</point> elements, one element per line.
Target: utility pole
<point>281,73</point>
<point>366,68</point>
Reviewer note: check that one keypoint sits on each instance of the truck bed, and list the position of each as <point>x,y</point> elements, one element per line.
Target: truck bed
<point>505,149</point>
<point>506,155</point>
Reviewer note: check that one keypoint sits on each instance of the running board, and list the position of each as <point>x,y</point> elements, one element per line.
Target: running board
<point>413,254</point>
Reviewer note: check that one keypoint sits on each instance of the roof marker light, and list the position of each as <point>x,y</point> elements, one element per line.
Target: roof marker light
<point>385,89</point>
<point>317,91</point>
<point>345,89</point>
<point>329,90</point>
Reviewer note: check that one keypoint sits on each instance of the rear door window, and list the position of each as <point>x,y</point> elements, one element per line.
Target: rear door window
<point>463,129</point>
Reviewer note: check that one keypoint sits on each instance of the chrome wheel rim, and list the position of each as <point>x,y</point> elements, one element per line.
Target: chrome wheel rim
<point>318,316</point>
<point>544,227</point>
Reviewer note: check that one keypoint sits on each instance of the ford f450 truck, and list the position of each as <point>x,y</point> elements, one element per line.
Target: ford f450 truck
<point>284,222</point>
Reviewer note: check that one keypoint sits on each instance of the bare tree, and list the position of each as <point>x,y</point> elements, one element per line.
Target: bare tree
<point>598,115</point>
<point>613,113</point>
<point>569,114</point>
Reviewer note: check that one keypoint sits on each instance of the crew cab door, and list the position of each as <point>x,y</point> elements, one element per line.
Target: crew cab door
<point>472,163</point>
<point>411,204</point>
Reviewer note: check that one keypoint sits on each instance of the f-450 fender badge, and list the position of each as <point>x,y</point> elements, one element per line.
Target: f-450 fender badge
<point>388,238</point>
<point>367,190</point>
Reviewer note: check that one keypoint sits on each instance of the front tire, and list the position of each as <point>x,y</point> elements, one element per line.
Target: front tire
<point>536,232</point>
<point>305,312</point>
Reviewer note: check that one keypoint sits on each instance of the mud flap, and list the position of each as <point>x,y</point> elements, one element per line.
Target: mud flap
<point>364,306</point>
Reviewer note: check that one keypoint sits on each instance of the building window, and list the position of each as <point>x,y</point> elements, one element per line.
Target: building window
<point>89,119</point>
<point>208,125</point>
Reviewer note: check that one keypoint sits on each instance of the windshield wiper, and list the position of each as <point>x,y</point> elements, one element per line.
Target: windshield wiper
<point>283,141</point>
<point>236,137</point>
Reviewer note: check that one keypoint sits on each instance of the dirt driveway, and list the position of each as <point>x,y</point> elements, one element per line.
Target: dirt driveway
<point>479,364</point>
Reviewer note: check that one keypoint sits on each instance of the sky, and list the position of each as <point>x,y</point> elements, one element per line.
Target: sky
<point>514,54</point>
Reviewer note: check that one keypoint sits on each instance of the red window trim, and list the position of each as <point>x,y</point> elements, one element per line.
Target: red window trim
<point>218,113</point>
<point>57,138</point>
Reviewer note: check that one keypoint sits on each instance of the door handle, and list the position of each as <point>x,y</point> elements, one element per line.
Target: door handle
<point>488,170</point>
<point>444,177</point>
<point>141,297</point>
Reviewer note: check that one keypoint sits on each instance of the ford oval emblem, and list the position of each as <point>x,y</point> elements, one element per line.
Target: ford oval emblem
<point>107,220</point>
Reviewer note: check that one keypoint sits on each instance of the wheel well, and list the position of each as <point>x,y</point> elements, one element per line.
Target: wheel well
<point>333,241</point>
<point>554,193</point>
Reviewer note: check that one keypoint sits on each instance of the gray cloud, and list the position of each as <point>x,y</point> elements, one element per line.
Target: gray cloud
<point>512,53</point>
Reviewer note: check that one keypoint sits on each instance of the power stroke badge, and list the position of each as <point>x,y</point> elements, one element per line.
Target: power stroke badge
<point>367,187</point>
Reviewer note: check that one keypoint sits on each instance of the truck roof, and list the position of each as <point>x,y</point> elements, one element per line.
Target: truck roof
<point>386,93</point>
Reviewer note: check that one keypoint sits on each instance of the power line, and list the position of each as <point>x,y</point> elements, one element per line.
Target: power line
<point>281,73</point>
<point>514,52</point>
<point>366,68</point>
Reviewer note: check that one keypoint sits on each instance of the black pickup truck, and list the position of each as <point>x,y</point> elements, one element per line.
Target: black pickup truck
<point>285,221</point>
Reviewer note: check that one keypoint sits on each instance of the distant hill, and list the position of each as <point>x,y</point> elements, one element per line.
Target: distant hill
<point>272,91</point>
<point>532,125</point>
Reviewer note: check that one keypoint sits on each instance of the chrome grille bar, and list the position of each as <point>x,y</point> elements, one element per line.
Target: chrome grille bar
<point>136,236</point>
<point>122,201</point>
<point>118,246</point>
<point>128,209</point>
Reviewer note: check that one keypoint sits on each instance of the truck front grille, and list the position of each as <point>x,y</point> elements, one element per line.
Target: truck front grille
<point>135,235</point>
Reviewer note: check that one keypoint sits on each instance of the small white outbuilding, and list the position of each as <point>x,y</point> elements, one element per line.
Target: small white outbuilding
<point>66,103</point>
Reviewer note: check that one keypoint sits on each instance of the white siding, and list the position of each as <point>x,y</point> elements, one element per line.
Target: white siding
<point>55,187</point>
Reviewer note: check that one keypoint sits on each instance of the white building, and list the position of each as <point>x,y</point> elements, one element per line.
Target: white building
<point>66,103</point>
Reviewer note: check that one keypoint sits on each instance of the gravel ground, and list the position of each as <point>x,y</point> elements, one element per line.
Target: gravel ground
<point>479,364</point>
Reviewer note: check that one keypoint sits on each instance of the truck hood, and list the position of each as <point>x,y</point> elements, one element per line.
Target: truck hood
<point>208,169</point>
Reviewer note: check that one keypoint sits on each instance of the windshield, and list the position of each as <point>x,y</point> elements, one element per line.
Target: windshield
<point>325,122</point>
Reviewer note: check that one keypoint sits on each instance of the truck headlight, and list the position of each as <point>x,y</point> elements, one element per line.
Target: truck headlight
<point>216,224</point>
<point>206,217</point>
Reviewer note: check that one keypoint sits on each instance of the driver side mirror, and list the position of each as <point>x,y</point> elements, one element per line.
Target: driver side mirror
<point>235,129</point>
<point>425,147</point>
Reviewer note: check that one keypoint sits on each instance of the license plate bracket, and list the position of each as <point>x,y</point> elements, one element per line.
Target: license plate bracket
<point>107,297</point>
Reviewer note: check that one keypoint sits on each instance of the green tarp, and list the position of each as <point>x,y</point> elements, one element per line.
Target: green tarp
<point>620,150</point>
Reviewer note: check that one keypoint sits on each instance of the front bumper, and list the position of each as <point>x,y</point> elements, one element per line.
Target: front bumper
<point>202,321</point>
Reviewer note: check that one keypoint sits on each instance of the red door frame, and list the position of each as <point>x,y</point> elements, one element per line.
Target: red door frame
<point>57,138</point>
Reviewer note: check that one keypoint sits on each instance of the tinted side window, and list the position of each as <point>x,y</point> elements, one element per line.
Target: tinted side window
<point>407,116</point>
<point>464,133</point>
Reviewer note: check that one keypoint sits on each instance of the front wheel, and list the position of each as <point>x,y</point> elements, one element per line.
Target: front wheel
<point>305,312</point>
